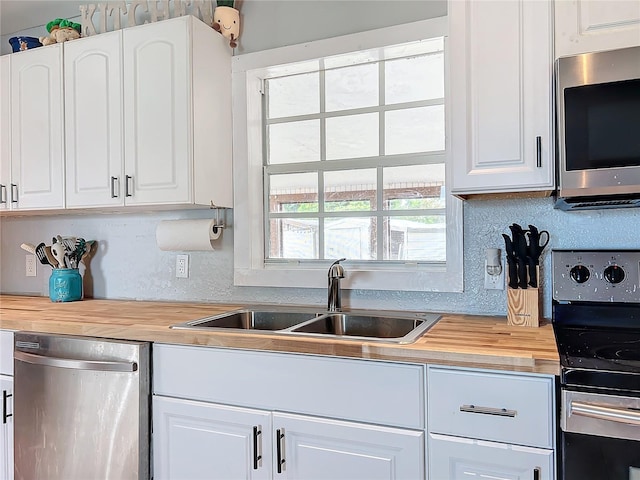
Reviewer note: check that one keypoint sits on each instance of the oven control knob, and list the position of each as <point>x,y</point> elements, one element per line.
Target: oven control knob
<point>613,274</point>
<point>579,274</point>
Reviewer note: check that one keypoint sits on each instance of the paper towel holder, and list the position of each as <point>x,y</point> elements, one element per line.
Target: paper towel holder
<point>218,224</point>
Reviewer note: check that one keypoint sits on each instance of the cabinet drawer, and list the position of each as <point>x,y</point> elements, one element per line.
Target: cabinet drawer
<point>384,393</point>
<point>502,407</point>
<point>6,352</point>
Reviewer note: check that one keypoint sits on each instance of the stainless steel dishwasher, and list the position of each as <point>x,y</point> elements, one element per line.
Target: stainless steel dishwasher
<point>81,408</point>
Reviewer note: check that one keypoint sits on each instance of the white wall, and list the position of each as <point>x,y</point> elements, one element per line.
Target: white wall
<point>129,265</point>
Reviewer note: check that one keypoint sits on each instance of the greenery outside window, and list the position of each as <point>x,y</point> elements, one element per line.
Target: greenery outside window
<point>340,151</point>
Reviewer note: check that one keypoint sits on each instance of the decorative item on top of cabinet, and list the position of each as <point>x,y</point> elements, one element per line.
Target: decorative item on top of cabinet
<point>501,77</point>
<point>226,20</point>
<point>585,26</point>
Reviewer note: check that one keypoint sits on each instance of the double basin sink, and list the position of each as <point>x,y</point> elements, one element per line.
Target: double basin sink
<point>391,327</point>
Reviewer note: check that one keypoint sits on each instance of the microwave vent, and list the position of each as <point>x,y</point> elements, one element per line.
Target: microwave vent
<point>596,203</point>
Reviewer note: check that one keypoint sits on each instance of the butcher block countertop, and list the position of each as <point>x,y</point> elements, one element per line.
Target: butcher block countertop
<point>465,340</point>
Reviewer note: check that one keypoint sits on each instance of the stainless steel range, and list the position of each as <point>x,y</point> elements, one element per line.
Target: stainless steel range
<point>596,320</point>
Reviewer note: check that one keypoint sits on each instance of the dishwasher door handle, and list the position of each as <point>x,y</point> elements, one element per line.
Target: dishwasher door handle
<point>102,366</point>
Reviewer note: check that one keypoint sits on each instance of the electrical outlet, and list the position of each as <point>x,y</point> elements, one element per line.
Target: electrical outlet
<point>30,264</point>
<point>182,266</point>
<point>493,282</point>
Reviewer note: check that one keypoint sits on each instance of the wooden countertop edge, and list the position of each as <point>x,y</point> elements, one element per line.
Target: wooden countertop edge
<point>444,344</point>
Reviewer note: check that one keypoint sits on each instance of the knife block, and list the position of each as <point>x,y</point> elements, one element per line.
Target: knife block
<point>523,306</point>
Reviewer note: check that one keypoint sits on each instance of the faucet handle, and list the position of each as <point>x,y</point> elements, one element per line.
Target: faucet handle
<point>336,270</point>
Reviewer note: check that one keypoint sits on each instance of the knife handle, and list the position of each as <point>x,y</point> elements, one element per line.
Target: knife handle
<point>522,273</point>
<point>533,274</point>
<point>513,274</point>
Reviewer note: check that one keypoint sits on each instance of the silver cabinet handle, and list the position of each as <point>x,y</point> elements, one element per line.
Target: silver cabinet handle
<point>14,188</point>
<point>3,193</point>
<point>113,187</point>
<point>102,366</point>
<point>618,415</point>
<point>127,190</point>
<point>501,412</point>
<point>539,152</point>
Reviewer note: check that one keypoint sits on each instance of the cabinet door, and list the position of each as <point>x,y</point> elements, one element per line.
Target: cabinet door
<point>93,120</point>
<point>157,113</point>
<point>37,144</point>
<point>6,428</point>
<point>195,440</point>
<point>5,131</point>
<point>317,448</point>
<point>455,458</point>
<point>583,26</point>
<point>501,79</point>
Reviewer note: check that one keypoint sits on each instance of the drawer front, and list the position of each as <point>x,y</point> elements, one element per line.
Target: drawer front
<point>502,407</point>
<point>384,393</point>
<point>6,352</point>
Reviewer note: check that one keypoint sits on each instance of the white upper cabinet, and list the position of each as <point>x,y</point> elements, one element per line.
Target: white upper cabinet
<point>177,114</point>
<point>93,120</point>
<point>583,26</point>
<point>5,131</point>
<point>501,75</point>
<point>37,139</point>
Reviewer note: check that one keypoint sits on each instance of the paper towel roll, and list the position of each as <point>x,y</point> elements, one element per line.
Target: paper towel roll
<point>187,235</point>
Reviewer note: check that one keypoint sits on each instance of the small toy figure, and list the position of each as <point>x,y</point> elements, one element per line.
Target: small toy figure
<point>226,20</point>
<point>60,30</point>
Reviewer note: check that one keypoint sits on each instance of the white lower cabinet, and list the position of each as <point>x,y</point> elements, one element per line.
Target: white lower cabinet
<point>318,448</point>
<point>6,428</point>
<point>263,415</point>
<point>6,413</point>
<point>487,424</point>
<point>455,458</point>
<point>197,440</point>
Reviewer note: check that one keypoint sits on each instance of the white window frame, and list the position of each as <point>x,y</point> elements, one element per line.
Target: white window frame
<point>250,268</point>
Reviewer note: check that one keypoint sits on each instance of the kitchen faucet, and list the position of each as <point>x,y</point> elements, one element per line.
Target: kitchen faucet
<point>336,272</point>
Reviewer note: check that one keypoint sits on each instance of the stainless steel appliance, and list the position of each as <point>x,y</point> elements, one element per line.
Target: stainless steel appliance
<point>81,408</point>
<point>598,120</point>
<point>596,321</point>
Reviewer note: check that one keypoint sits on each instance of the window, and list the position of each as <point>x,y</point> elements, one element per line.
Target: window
<point>340,151</point>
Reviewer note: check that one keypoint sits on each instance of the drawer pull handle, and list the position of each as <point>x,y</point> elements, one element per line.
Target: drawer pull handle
<point>279,453</point>
<point>256,457</point>
<point>5,413</point>
<point>501,412</point>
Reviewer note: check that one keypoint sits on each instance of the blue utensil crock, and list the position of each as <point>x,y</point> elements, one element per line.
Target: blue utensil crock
<point>65,285</point>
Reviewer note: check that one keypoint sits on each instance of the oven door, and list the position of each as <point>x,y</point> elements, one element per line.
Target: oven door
<point>600,436</point>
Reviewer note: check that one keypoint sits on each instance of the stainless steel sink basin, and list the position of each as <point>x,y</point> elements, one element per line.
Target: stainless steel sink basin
<point>372,327</point>
<point>393,327</point>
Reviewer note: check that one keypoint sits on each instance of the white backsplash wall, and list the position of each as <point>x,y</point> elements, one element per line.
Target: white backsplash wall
<point>129,265</point>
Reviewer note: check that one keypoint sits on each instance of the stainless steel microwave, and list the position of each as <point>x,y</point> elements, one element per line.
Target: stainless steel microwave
<point>598,130</point>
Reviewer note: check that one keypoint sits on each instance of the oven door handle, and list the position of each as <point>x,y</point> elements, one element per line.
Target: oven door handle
<point>619,415</point>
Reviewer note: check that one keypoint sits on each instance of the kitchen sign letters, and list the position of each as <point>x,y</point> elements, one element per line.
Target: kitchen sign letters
<point>136,12</point>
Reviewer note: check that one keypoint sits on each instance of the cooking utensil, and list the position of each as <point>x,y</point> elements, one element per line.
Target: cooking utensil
<point>41,254</point>
<point>28,247</point>
<point>52,260</point>
<point>59,252</point>
<point>520,249</point>
<point>534,251</point>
